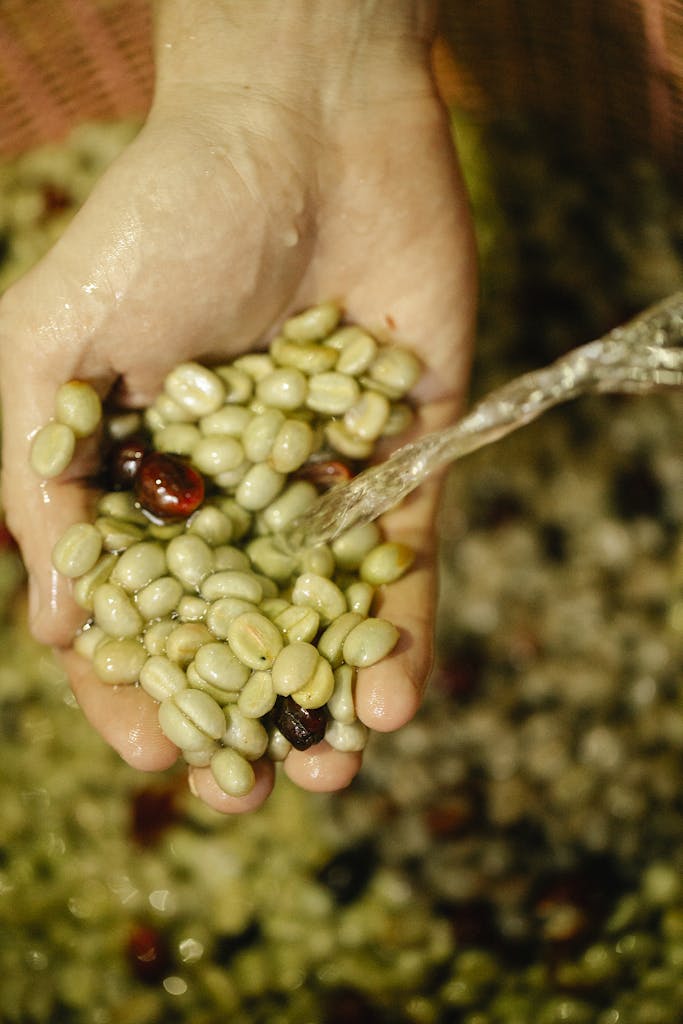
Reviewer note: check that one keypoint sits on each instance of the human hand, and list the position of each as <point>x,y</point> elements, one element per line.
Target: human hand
<point>236,205</point>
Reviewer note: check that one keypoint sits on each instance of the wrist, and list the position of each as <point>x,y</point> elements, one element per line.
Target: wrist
<point>333,56</point>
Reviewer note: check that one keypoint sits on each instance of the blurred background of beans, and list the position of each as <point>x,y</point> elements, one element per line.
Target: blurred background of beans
<point>515,854</point>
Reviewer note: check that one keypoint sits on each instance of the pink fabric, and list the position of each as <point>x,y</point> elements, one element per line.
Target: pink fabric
<point>63,62</point>
<point>608,71</point>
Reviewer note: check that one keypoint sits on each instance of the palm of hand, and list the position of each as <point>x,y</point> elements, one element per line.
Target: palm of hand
<point>189,249</point>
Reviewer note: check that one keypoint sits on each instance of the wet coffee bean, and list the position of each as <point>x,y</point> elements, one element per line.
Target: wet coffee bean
<point>124,459</point>
<point>303,727</point>
<point>168,487</point>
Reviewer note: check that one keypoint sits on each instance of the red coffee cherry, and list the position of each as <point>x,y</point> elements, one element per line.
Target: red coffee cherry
<point>168,487</point>
<point>303,727</point>
<point>123,461</point>
<point>325,474</point>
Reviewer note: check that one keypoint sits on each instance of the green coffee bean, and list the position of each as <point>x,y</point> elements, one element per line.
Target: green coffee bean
<point>238,385</point>
<point>229,421</point>
<point>232,772</point>
<point>195,388</point>
<point>357,349</point>
<point>211,525</point>
<point>394,370</point>
<point>161,678</point>
<point>332,393</point>
<point>52,449</point>
<point>342,440</point>
<point>119,661</point>
<point>178,438</point>
<point>86,641</point>
<point>191,719</point>
<point>260,485</point>
<point>219,665</point>
<point>368,416</point>
<point>190,559</point>
<point>191,608</point>
<point>292,446</point>
<point>270,560</point>
<point>291,503</point>
<point>232,478</point>
<point>272,606</point>
<point>256,365</point>
<point>341,703</point>
<point>165,531</point>
<point>232,583</point>
<point>320,593</point>
<point>156,635</point>
<point>386,563</point>
<point>268,587</point>
<point>114,611</point>
<point>369,642</point>
<point>319,688</point>
<point>154,421</point>
<point>220,614</point>
<point>200,758</point>
<point>332,640</point>
<point>297,623</point>
<point>312,324</point>
<point>359,597</point>
<point>228,557</point>
<point>117,534</point>
<point>255,640</point>
<point>318,560</point>
<point>257,696</point>
<point>123,424</point>
<point>352,736</point>
<point>239,517</point>
<point>221,695</point>
<point>218,453</point>
<point>278,745</point>
<point>351,547</point>
<point>244,734</point>
<point>78,406</point>
<point>167,411</point>
<point>284,388</point>
<point>159,598</point>
<point>294,667</point>
<point>307,358</point>
<point>121,505</point>
<point>184,640</point>
<point>139,565</point>
<point>77,550</point>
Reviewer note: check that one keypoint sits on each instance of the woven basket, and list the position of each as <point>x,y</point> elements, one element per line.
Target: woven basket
<point>607,73</point>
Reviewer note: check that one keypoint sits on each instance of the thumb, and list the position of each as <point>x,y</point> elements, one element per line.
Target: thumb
<point>32,367</point>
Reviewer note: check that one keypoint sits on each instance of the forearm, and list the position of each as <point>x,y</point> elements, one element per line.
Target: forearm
<point>328,50</point>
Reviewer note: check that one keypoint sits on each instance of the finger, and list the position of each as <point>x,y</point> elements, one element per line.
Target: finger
<point>321,769</point>
<point>42,328</point>
<point>39,511</point>
<point>203,785</point>
<point>389,693</point>
<point>125,716</point>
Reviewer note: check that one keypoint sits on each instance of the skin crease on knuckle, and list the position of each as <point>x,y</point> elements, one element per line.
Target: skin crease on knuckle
<point>347,261</point>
